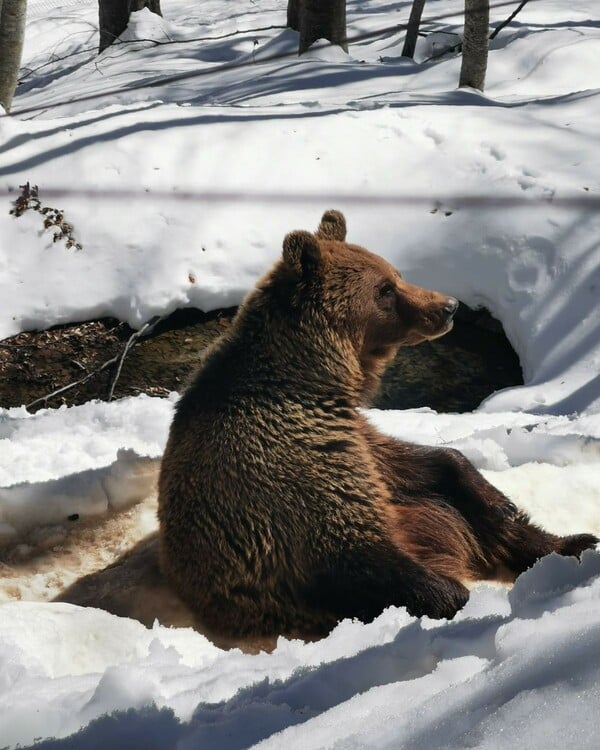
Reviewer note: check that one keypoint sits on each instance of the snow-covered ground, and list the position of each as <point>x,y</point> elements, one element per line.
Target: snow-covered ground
<point>516,669</point>
<point>207,175</point>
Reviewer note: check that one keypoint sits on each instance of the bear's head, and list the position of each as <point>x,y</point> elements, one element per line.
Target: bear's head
<point>359,294</point>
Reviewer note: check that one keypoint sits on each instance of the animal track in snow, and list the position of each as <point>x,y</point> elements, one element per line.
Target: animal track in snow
<point>499,154</point>
<point>526,182</point>
<point>436,137</point>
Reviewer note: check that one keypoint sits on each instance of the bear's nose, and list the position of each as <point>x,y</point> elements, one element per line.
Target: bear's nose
<point>451,306</point>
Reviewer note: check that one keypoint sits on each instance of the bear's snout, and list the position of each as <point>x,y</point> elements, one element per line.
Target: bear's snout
<point>450,307</point>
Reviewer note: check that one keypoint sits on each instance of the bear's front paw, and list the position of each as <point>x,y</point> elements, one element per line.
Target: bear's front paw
<point>448,597</point>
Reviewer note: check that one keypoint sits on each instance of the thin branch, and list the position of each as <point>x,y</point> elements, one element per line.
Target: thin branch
<point>144,331</point>
<point>117,359</point>
<point>499,28</point>
<point>437,55</point>
<point>68,387</point>
<point>156,42</point>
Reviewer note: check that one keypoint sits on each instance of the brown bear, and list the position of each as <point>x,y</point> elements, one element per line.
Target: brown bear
<point>281,509</point>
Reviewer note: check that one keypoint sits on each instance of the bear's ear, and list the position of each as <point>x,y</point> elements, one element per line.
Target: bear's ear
<point>301,251</point>
<point>332,226</point>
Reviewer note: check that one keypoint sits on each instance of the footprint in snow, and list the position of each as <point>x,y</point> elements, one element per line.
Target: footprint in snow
<point>499,154</point>
<point>436,137</point>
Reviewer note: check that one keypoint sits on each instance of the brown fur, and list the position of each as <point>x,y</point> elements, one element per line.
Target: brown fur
<point>134,586</point>
<point>281,509</point>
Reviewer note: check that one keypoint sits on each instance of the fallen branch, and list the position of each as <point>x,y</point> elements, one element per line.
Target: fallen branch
<point>116,360</point>
<point>144,331</point>
<point>68,387</point>
<point>499,28</point>
<point>454,48</point>
<point>493,35</point>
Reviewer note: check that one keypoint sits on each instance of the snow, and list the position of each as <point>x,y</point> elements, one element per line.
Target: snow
<point>33,446</point>
<point>487,679</point>
<point>332,129</point>
<point>200,179</point>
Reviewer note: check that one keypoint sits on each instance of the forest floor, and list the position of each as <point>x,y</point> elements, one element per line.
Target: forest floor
<point>83,358</point>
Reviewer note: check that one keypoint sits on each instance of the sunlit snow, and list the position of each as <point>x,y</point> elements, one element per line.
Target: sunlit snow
<point>518,668</point>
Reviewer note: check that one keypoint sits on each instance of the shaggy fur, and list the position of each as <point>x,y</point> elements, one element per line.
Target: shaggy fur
<point>281,509</point>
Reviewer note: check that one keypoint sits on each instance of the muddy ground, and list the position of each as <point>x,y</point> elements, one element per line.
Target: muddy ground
<point>454,373</point>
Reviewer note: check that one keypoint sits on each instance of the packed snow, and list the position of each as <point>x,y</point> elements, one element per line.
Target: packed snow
<point>199,180</point>
<point>512,669</point>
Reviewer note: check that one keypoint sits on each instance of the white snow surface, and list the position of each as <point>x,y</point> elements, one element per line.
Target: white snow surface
<point>512,667</point>
<point>516,668</point>
<point>325,130</point>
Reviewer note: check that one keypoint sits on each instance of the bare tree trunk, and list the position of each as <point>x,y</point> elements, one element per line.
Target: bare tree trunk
<point>152,5</point>
<point>412,30</point>
<point>12,33</point>
<point>293,14</point>
<point>475,44</point>
<point>322,19</point>
<point>113,17</point>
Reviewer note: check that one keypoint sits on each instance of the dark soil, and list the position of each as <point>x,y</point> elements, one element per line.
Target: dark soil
<point>454,373</point>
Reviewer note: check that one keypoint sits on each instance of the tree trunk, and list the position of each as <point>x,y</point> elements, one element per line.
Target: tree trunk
<point>322,19</point>
<point>475,44</point>
<point>152,5</point>
<point>293,14</point>
<point>113,17</point>
<point>412,30</point>
<point>12,33</point>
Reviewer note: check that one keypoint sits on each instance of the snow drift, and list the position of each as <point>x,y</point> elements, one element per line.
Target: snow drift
<point>524,662</point>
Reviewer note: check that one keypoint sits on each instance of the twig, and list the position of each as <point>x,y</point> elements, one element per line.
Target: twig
<point>156,42</point>
<point>499,28</point>
<point>493,35</point>
<point>117,359</point>
<point>144,330</point>
<point>68,387</point>
<point>442,53</point>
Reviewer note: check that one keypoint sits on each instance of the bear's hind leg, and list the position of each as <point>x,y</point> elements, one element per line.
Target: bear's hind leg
<point>364,580</point>
<point>519,543</point>
<point>510,541</point>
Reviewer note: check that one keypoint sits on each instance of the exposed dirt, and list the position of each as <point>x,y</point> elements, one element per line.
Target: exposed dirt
<point>48,559</point>
<point>454,373</point>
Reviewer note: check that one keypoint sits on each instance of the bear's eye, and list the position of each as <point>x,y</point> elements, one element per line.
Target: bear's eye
<point>386,290</point>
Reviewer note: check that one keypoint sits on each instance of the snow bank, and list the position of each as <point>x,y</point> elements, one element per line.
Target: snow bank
<point>77,488</point>
<point>511,666</point>
<point>337,129</point>
<point>127,481</point>
<point>55,442</point>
